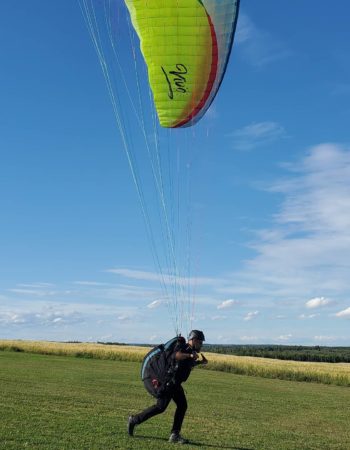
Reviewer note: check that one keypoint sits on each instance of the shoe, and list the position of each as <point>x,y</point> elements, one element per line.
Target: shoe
<point>131,426</point>
<point>176,438</point>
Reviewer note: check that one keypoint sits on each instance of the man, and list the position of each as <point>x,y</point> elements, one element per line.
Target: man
<point>186,357</point>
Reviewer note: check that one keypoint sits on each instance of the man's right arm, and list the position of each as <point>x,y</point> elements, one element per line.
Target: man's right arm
<point>180,356</point>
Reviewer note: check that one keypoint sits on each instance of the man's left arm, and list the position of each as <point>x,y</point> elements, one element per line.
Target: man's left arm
<point>202,361</point>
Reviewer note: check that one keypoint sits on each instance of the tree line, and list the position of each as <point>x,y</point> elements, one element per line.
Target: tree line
<point>286,352</point>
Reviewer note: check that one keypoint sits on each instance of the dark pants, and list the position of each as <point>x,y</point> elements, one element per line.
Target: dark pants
<point>177,394</point>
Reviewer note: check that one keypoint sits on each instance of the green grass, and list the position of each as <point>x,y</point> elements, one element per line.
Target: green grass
<point>58,402</point>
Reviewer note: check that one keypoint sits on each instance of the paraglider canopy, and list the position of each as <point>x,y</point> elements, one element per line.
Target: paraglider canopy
<point>186,45</point>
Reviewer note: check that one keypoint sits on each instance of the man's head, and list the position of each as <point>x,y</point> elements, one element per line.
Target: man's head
<point>196,339</point>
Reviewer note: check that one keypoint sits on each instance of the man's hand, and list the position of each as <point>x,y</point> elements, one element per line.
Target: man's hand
<point>204,359</point>
<point>195,356</point>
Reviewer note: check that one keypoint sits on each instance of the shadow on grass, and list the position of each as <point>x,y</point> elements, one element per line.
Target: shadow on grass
<point>193,443</point>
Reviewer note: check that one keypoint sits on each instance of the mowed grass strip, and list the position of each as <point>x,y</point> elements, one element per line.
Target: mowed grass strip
<point>65,403</point>
<point>326,373</point>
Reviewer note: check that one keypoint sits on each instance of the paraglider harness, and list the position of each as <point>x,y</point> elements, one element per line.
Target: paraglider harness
<point>159,367</point>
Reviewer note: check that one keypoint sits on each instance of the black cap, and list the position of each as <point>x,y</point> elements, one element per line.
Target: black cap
<point>197,334</point>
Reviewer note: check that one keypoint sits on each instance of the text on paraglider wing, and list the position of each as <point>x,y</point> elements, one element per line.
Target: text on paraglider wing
<point>176,80</point>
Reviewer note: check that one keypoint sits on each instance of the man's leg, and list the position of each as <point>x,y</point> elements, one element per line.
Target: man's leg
<point>181,407</point>
<point>158,408</point>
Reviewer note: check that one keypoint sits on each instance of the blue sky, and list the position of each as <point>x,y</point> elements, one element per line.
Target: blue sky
<point>269,168</point>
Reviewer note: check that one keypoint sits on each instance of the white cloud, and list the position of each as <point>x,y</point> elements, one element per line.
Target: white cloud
<point>248,338</point>
<point>324,338</point>
<point>317,198</point>
<point>245,30</point>
<point>38,289</point>
<point>89,294</point>
<point>7,318</point>
<point>227,304</point>
<point>124,318</point>
<point>38,285</point>
<point>258,47</point>
<point>44,316</point>
<point>136,274</point>
<point>308,316</point>
<point>107,337</point>
<point>257,135</point>
<point>236,290</point>
<point>307,246</point>
<point>164,278</point>
<point>219,317</point>
<point>317,302</point>
<point>124,292</point>
<point>34,292</point>
<point>251,315</point>
<point>155,304</point>
<point>222,339</point>
<point>57,320</point>
<point>284,337</point>
<point>91,283</point>
<point>344,314</point>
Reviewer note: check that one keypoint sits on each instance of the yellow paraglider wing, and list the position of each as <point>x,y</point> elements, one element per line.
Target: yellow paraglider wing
<point>186,45</point>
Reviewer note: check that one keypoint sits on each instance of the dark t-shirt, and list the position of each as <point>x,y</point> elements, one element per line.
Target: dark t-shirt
<point>186,365</point>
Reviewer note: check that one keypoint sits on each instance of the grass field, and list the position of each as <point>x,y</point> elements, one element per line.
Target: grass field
<point>60,402</point>
<point>327,373</point>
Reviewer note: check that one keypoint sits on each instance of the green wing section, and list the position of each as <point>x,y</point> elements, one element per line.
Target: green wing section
<point>175,36</point>
<point>186,45</point>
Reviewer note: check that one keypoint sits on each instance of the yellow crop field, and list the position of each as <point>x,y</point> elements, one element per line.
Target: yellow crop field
<point>87,350</point>
<point>327,373</point>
